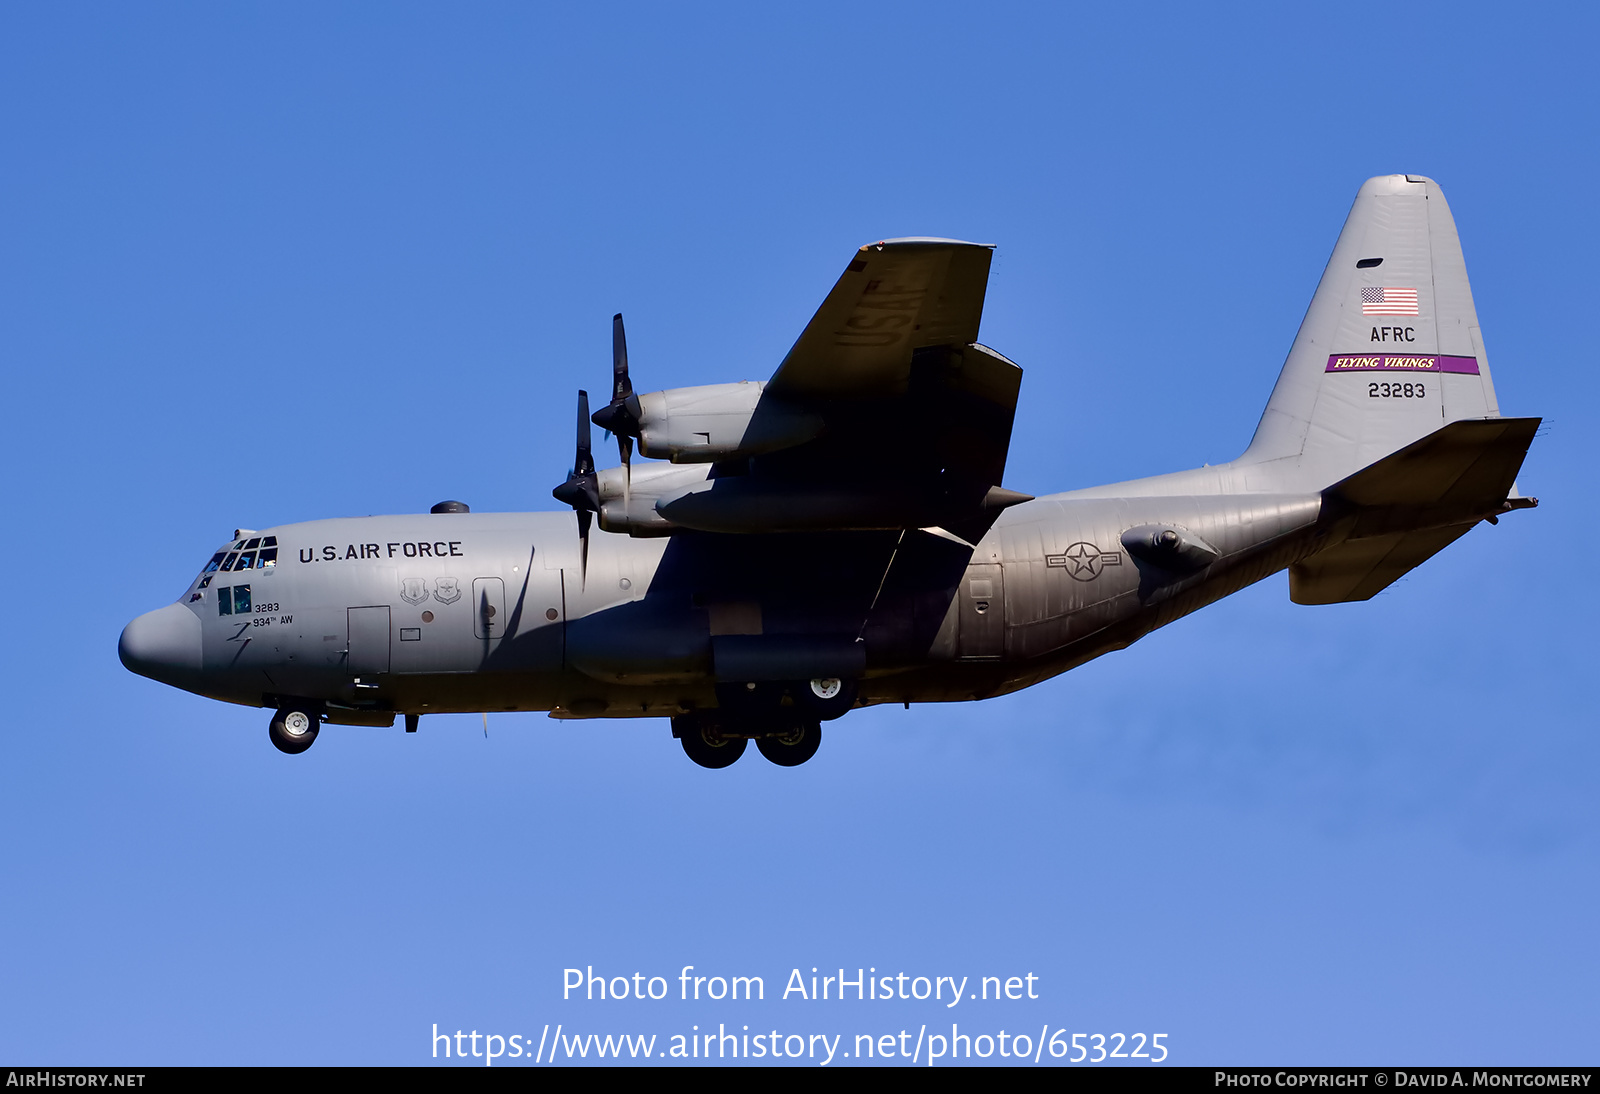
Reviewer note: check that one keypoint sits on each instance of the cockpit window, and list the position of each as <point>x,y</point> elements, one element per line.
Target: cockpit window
<point>259,553</point>
<point>241,599</point>
<point>224,601</point>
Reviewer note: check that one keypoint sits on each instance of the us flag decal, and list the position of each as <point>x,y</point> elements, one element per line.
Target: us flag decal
<point>1389,301</point>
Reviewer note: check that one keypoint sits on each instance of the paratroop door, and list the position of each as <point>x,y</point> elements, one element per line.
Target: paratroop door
<point>369,641</point>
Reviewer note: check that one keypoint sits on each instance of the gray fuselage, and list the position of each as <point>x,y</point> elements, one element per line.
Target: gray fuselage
<point>477,612</point>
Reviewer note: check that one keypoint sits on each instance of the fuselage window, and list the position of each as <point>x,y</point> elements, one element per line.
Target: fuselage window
<point>224,601</point>
<point>241,599</point>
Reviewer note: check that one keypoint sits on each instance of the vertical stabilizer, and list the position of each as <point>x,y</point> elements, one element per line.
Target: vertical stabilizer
<point>1389,350</point>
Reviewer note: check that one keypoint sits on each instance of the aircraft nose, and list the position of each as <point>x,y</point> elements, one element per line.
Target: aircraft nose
<point>163,645</point>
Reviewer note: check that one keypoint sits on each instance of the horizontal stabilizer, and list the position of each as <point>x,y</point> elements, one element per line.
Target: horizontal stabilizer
<point>1360,569</point>
<point>1408,506</point>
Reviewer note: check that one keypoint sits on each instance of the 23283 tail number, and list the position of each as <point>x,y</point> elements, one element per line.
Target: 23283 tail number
<point>1381,390</point>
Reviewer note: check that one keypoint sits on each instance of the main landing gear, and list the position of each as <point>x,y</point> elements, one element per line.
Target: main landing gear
<point>784,720</point>
<point>705,744</point>
<point>294,728</point>
<point>793,748</point>
<point>710,744</point>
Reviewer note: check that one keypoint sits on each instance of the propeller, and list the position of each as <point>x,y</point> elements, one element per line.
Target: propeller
<point>621,415</point>
<point>582,488</point>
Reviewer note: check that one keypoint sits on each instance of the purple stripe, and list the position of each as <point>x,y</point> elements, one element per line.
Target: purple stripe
<point>1401,362</point>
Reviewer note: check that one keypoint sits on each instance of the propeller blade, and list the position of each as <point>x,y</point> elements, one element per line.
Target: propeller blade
<point>621,384</point>
<point>584,517</point>
<point>583,463</point>
<point>625,445</point>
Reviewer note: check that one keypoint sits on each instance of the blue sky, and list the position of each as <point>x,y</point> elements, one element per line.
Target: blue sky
<point>266,263</point>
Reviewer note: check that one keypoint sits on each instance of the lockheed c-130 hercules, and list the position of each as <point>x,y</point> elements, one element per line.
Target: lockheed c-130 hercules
<point>839,535</point>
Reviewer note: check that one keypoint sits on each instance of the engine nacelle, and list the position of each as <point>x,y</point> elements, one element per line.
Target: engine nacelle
<point>629,505</point>
<point>719,422</point>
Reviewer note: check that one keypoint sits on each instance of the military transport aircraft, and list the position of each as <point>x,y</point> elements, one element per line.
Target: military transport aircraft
<point>840,535</point>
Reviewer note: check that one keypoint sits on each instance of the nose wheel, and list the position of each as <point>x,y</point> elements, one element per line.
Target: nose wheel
<point>293,729</point>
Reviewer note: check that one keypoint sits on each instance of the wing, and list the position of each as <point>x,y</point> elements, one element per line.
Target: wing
<point>916,416</point>
<point>894,297</point>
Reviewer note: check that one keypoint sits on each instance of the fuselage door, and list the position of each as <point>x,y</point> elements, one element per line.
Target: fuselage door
<point>983,617</point>
<point>369,641</point>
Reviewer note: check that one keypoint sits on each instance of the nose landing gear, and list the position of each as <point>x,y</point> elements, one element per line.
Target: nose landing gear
<point>294,729</point>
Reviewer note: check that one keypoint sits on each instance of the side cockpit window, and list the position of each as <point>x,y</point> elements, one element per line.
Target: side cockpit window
<point>234,601</point>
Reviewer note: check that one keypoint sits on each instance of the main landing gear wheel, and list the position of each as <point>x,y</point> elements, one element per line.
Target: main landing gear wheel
<point>708,748</point>
<point>792,747</point>
<point>825,698</point>
<point>293,729</point>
